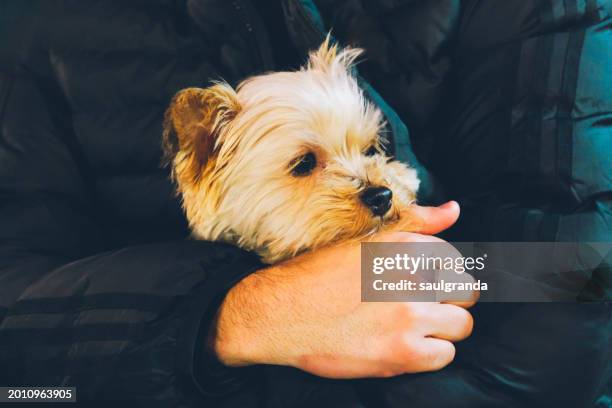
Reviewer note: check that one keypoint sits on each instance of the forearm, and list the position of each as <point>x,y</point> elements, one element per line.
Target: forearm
<point>238,334</point>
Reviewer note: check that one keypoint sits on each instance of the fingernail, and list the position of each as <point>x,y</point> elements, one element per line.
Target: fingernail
<point>449,204</point>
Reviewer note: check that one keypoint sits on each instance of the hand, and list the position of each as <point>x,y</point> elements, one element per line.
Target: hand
<point>307,313</point>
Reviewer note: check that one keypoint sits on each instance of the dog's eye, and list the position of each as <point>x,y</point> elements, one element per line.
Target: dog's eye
<point>304,165</point>
<point>372,150</point>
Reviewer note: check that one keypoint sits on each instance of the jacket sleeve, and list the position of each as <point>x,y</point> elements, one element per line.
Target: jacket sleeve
<point>127,324</point>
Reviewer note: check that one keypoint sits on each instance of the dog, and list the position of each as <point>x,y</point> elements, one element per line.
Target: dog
<point>288,162</point>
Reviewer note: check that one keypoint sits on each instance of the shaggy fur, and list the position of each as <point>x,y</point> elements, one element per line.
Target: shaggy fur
<point>233,155</point>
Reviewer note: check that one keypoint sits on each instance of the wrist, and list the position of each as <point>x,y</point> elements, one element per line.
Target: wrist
<point>240,334</point>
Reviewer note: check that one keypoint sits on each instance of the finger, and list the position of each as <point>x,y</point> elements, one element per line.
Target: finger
<point>431,220</point>
<point>466,304</point>
<point>463,298</point>
<point>429,354</point>
<point>449,322</point>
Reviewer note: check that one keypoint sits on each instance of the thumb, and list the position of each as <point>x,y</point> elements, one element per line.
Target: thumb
<point>431,220</point>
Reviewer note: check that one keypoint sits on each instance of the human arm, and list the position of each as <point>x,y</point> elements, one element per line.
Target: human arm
<point>307,313</point>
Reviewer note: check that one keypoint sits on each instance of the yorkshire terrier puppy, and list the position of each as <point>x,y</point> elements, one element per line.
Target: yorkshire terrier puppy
<point>287,162</point>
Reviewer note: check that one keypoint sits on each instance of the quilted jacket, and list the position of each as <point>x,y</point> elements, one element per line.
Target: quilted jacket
<point>503,105</point>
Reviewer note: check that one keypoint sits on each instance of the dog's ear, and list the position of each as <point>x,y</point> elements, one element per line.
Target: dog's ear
<point>192,125</point>
<point>332,59</point>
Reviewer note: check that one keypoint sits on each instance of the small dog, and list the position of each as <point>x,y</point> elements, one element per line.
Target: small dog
<point>288,162</point>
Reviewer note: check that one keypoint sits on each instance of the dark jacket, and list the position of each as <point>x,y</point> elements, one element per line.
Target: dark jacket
<point>99,288</point>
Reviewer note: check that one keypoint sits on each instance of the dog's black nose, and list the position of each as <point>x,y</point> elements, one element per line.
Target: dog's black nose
<point>377,199</point>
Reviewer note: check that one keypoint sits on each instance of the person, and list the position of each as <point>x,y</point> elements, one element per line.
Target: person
<point>100,290</point>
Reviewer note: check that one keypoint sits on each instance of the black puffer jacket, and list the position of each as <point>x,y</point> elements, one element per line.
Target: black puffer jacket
<point>99,289</point>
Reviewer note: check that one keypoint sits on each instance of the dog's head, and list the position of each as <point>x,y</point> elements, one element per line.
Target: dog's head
<point>290,161</point>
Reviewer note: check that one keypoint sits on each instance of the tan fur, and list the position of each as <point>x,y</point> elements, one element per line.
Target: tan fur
<point>232,155</point>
